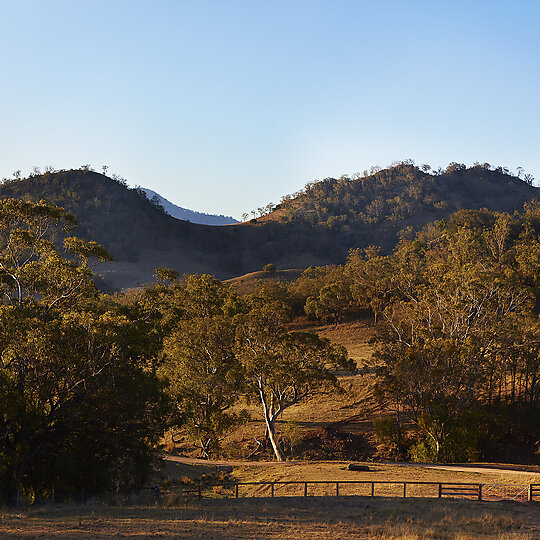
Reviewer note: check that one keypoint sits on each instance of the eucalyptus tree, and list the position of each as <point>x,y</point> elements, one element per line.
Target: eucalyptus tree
<point>456,333</point>
<point>78,408</point>
<point>205,379</point>
<point>284,368</point>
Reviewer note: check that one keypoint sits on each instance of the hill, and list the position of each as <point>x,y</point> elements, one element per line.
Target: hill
<point>187,215</point>
<point>139,235</point>
<point>250,283</point>
<point>315,226</point>
<point>373,207</point>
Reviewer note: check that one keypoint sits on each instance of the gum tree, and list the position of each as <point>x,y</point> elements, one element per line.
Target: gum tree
<point>78,408</point>
<point>284,368</point>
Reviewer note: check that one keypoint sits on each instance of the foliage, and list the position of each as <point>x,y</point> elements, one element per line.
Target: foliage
<point>390,433</point>
<point>78,409</point>
<point>282,368</point>
<point>460,329</point>
<point>205,378</point>
<point>333,303</point>
<point>269,268</point>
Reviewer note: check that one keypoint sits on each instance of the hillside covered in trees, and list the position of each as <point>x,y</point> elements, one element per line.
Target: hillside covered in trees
<point>90,382</point>
<point>316,226</point>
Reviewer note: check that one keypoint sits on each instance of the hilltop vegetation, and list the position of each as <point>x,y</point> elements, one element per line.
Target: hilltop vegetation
<point>316,226</point>
<point>404,194</point>
<point>107,211</point>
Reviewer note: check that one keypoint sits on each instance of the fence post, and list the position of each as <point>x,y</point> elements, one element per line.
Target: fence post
<point>440,490</point>
<point>200,492</point>
<point>337,489</point>
<point>272,489</point>
<point>305,489</point>
<point>530,492</point>
<point>372,488</point>
<point>404,489</point>
<point>236,491</point>
<point>158,492</point>
<point>479,492</point>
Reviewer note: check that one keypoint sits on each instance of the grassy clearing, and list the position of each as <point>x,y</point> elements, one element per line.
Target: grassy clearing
<point>249,283</point>
<point>333,471</point>
<point>287,516</point>
<point>321,518</point>
<point>354,335</point>
<point>387,472</point>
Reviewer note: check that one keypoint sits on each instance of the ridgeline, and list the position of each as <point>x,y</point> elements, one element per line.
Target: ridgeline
<point>316,226</point>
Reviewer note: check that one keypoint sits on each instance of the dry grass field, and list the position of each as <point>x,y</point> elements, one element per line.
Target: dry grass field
<point>294,519</point>
<point>249,283</point>
<point>289,516</point>
<point>332,471</point>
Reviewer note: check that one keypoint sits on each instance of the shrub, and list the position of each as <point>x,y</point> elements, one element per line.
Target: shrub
<point>269,268</point>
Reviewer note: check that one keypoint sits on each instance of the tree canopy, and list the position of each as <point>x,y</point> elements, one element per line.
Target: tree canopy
<point>78,409</point>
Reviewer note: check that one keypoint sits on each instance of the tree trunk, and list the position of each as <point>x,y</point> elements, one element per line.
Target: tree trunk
<point>270,424</point>
<point>205,445</point>
<point>270,419</point>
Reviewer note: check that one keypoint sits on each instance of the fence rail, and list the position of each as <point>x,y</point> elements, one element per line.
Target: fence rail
<point>534,492</point>
<point>480,492</point>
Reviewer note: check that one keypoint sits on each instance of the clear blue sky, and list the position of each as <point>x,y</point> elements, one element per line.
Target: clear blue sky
<point>223,106</point>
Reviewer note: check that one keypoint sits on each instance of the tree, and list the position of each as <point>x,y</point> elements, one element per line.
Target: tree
<point>205,378</point>
<point>283,368</point>
<point>78,407</point>
<point>372,279</point>
<point>31,267</point>
<point>460,334</point>
<point>269,268</point>
<point>332,304</point>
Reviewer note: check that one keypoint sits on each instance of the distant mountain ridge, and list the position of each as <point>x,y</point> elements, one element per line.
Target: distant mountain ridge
<point>185,214</point>
<point>317,226</point>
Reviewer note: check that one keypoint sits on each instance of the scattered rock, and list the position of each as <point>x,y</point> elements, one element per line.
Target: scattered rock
<point>357,467</point>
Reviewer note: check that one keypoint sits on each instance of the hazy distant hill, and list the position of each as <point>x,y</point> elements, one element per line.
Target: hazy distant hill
<point>188,215</point>
<point>315,226</point>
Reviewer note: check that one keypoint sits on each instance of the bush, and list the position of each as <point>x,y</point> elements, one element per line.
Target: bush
<point>269,268</point>
<point>389,433</point>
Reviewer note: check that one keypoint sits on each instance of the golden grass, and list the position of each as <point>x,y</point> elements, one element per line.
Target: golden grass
<point>289,515</point>
<point>354,335</point>
<point>388,472</point>
<point>280,275</point>
<point>287,519</point>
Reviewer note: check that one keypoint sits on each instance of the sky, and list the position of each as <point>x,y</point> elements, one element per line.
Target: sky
<point>223,106</point>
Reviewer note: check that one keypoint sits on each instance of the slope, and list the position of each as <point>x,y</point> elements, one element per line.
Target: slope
<point>316,226</point>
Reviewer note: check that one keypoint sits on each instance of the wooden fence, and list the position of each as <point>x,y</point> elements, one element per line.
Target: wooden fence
<point>371,488</point>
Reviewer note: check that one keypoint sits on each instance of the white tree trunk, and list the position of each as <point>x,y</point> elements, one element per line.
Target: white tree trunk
<point>270,424</point>
<point>270,420</point>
